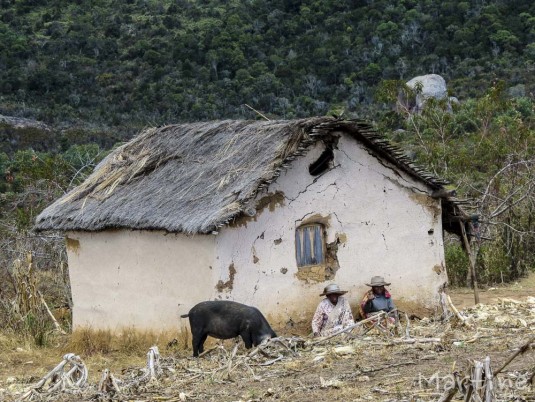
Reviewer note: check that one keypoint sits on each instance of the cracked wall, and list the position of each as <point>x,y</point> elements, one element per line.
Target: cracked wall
<point>426,201</point>
<point>271,201</point>
<point>229,284</point>
<point>378,221</point>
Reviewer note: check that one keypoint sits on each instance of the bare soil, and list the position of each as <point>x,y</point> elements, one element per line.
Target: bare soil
<point>464,297</point>
<point>369,368</point>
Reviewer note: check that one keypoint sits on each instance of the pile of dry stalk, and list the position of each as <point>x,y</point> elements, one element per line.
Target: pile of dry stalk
<point>392,353</point>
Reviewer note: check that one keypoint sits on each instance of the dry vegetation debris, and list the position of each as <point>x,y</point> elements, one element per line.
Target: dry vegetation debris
<point>437,360</point>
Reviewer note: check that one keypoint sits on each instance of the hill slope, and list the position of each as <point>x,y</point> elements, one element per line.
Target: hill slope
<point>133,63</point>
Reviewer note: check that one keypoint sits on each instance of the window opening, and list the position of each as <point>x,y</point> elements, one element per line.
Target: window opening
<point>323,163</point>
<point>310,245</point>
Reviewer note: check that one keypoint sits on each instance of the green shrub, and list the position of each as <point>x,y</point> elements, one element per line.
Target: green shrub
<point>457,264</point>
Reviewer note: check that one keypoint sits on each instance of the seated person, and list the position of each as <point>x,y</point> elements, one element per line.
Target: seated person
<point>333,313</point>
<point>377,299</point>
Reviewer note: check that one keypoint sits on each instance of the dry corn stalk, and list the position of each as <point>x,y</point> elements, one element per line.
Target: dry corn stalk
<point>108,383</point>
<point>70,374</point>
<point>27,297</point>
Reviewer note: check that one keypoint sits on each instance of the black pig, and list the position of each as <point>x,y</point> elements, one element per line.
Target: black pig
<point>224,319</point>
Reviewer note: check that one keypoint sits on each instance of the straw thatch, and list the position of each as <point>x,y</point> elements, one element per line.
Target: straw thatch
<point>194,178</point>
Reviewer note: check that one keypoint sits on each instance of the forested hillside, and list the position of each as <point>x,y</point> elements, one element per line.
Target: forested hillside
<point>136,63</point>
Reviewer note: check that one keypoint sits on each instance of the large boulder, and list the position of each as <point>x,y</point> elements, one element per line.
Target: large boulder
<point>432,86</point>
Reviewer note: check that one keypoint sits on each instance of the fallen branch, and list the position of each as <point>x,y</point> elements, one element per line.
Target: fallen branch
<point>209,351</point>
<point>56,323</point>
<point>448,395</point>
<point>349,328</point>
<point>270,362</point>
<point>456,312</point>
<point>520,351</point>
<point>389,366</point>
<point>259,348</point>
<point>280,341</point>
<point>407,341</point>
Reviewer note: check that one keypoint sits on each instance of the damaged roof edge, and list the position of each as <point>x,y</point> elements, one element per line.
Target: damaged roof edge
<point>259,152</point>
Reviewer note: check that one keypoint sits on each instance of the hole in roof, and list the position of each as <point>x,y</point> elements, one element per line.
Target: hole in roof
<point>323,163</point>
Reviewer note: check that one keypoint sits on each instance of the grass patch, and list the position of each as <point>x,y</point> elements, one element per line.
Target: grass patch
<point>20,357</point>
<point>129,341</point>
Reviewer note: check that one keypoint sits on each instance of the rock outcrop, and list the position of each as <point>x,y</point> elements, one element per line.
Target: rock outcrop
<point>427,87</point>
<point>21,122</point>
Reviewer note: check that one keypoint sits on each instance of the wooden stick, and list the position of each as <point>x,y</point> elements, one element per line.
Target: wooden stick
<point>407,341</point>
<point>208,351</point>
<point>472,262</point>
<point>455,311</point>
<point>416,340</point>
<point>56,323</point>
<point>530,381</point>
<point>270,362</point>
<point>389,366</point>
<point>349,328</point>
<point>108,382</point>
<point>280,341</point>
<point>444,305</point>
<point>489,384</point>
<point>477,379</point>
<point>522,349</point>
<point>232,355</point>
<point>448,395</point>
<point>260,348</point>
<point>256,111</point>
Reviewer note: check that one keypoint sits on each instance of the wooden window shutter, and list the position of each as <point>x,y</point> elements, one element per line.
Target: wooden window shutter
<point>309,245</point>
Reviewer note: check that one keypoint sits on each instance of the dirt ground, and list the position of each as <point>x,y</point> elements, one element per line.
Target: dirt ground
<point>373,367</point>
<point>464,297</point>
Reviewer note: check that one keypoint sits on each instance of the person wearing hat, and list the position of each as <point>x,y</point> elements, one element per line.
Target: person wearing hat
<point>333,312</point>
<point>376,299</point>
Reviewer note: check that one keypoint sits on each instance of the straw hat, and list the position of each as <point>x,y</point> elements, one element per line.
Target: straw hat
<point>378,281</point>
<point>333,288</point>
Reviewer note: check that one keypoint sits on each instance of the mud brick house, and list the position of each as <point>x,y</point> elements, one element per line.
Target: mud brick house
<point>266,213</point>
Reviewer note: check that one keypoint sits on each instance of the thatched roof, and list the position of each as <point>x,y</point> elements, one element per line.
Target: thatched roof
<point>194,178</point>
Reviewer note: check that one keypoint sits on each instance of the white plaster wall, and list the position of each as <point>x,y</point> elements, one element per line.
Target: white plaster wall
<point>138,278</point>
<point>374,206</point>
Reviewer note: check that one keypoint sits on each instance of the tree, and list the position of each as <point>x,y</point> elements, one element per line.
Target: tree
<point>486,148</point>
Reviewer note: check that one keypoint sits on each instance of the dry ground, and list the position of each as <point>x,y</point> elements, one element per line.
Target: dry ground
<point>464,297</point>
<point>372,368</point>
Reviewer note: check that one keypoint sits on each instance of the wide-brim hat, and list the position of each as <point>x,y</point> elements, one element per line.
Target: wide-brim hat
<point>378,281</point>
<point>333,288</point>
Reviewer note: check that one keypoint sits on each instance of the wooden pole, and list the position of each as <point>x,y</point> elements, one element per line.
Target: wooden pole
<point>472,261</point>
